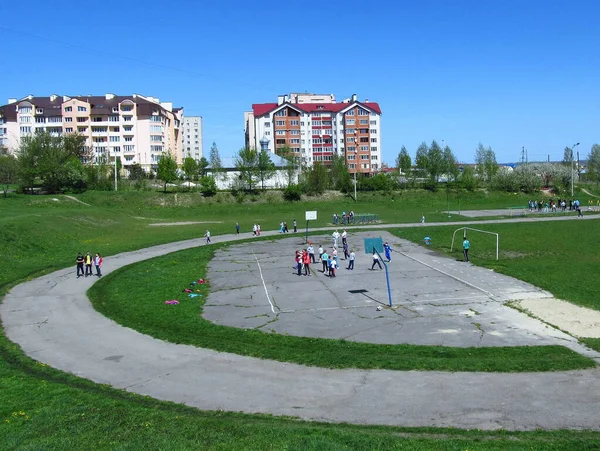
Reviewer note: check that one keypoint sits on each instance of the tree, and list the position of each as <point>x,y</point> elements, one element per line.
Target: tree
<point>246,162</point>
<point>8,171</point>
<point>568,157</point>
<point>202,165</point>
<point>265,168</point>
<point>208,186</point>
<point>339,175</point>
<point>137,173</point>
<point>435,161</point>
<point>315,179</point>
<point>403,161</point>
<point>55,160</point>
<point>422,159</point>
<point>450,166</point>
<point>167,169</point>
<point>486,163</point>
<point>291,163</point>
<point>190,168</point>
<point>467,179</point>
<point>215,161</point>
<point>593,163</point>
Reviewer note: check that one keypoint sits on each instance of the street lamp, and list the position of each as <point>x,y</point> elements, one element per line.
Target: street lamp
<point>572,171</point>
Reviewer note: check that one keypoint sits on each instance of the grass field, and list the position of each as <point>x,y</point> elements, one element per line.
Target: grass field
<point>168,275</point>
<point>42,408</point>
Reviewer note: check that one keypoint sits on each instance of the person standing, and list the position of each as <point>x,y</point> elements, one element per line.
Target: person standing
<point>98,264</point>
<point>344,237</point>
<point>281,227</point>
<point>299,262</point>
<point>285,227</point>
<point>311,252</point>
<point>346,254</point>
<point>306,262</point>
<point>423,219</point>
<point>388,251</point>
<point>320,251</point>
<point>80,263</point>
<point>207,235</point>
<point>295,226</point>
<point>324,260</point>
<point>237,228</point>
<point>336,237</point>
<point>334,253</point>
<point>254,229</point>
<point>258,229</point>
<point>351,263</point>
<point>88,264</point>
<point>376,261</point>
<point>466,247</point>
<point>332,267</point>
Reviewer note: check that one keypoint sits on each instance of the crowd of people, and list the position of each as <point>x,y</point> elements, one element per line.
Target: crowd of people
<point>344,218</point>
<point>330,261</point>
<point>85,263</point>
<point>550,205</point>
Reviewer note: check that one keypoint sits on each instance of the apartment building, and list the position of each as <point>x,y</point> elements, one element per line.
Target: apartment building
<point>136,128</point>
<point>316,127</point>
<point>191,137</point>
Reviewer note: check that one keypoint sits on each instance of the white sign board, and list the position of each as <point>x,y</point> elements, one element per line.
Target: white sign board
<point>311,215</point>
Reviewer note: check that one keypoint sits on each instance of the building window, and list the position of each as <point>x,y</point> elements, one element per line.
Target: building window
<point>68,119</point>
<point>364,148</point>
<point>350,113</point>
<point>373,122</point>
<point>352,157</point>
<point>81,108</point>
<point>294,141</point>
<point>128,139</point>
<point>68,109</point>
<point>113,118</point>
<point>128,128</point>
<point>364,157</point>
<point>364,139</point>
<point>363,112</point>
<point>351,149</point>
<point>129,118</point>
<point>279,123</point>
<point>82,119</point>
<point>374,157</point>
<point>327,131</point>
<point>316,123</point>
<point>24,110</point>
<point>27,120</point>
<point>69,130</point>
<point>267,124</point>
<point>316,115</point>
<point>55,119</point>
<point>281,113</point>
<point>364,121</point>
<point>294,132</point>
<point>114,129</point>
<point>373,130</point>
<point>25,130</point>
<point>156,148</point>
<point>280,132</point>
<point>268,133</point>
<point>280,141</point>
<point>317,141</point>
<point>99,129</point>
<point>126,107</point>
<point>82,129</point>
<point>115,139</point>
<point>128,148</point>
<point>116,149</point>
<point>373,149</point>
<point>373,140</point>
<point>294,122</point>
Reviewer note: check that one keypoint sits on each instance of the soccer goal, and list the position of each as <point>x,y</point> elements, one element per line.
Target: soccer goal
<point>476,230</point>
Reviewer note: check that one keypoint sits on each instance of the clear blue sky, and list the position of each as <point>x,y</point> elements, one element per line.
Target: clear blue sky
<point>508,73</point>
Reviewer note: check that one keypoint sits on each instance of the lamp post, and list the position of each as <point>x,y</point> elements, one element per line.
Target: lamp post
<point>355,159</point>
<point>572,171</point>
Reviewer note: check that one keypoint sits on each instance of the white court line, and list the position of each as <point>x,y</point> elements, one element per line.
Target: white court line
<point>264,284</point>
<point>449,275</point>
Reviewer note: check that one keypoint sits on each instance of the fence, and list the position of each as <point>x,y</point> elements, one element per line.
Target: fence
<point>357,218</point>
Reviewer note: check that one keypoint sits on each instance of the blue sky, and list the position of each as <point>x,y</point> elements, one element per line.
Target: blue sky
<point>509,74</point>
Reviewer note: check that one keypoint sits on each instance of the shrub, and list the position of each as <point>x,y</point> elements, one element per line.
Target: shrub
<point>292,193</point>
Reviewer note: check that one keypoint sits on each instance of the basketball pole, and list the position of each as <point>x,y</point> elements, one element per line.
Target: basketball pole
<point>387,276</point>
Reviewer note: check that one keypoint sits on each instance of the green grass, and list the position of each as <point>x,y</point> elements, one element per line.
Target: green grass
<point>118,297</point>
<point>42,408</point>
<point>592,343</point>
<point>561,257</point>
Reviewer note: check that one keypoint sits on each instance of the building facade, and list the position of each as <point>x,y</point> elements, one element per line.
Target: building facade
<point>191,137</point>
<point>316,127</point>
<point>136,128</point>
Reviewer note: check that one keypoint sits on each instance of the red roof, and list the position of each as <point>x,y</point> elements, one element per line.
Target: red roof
<point>261,109</point>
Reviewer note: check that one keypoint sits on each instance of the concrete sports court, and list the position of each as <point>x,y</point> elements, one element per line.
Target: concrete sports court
<point>436,300</point>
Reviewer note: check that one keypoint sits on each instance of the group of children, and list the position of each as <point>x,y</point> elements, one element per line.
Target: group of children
<point>330,262</point>
<point>86,261</point>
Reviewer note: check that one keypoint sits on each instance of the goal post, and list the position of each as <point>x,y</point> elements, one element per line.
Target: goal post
<point>476,230</point>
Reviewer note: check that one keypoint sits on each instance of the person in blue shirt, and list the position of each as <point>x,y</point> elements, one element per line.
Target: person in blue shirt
<point>388,251</point>
<point>466,246</point>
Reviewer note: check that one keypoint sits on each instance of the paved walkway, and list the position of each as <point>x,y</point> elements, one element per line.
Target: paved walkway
<point>53,322</point>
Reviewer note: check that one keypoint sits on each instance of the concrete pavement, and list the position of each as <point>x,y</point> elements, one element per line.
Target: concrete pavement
<point>53,322</point>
